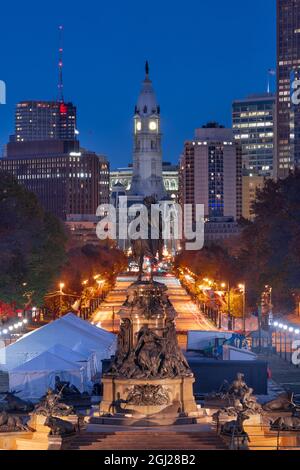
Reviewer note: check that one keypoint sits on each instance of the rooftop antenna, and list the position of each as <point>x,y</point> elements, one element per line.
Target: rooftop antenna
<point>271,73</point>
<point>147,69</point>
<point>60,66</point>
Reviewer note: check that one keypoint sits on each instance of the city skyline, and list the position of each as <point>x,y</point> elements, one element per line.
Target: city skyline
<point>96,86</point>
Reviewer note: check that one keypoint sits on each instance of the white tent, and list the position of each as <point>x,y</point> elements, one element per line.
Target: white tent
<point>95,346</point>
<point>70,355</point>
<point>32,379</point>
<point>103,335</point>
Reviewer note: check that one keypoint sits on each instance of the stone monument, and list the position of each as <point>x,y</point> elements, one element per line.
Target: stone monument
<point>149,374</point>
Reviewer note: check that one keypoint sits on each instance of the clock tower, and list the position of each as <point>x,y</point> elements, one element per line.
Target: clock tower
<point>147,152</point>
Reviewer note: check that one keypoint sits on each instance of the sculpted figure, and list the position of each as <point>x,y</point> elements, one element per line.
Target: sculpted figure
<point>123,347</point>
<point>50,405</point>
<point>236,429</point>
<point>65,388</point>
<point>150,247</point>
<point>148,350</point>
<point>59,427</point>
<point>284,402</point>
<point>288,423</point>
<point>240,398</point>
<point>11,423</point>
<point>12,403</point>
<point>239,387</point>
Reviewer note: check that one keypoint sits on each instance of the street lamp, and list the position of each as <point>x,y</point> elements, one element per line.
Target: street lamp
<point>242,288</point>
<point>61,286</point>
<point>227,286</point>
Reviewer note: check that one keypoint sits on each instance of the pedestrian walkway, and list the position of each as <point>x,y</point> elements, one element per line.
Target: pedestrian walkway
<point>189,316</point>
<point>106,316</point>
<point>286,375</point>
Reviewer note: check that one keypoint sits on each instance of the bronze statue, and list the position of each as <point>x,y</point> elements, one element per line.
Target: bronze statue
<point>50,405</point>
<point>148,351</point>
<point>287,423</point>
<point>239,398</point>
<point>11,423</point>
<point>14,404</point>
<point>142,248</point>
<point>65,388</point>
<point>59,427</point>
<point>153,353</point>
<point>284,402</point>
<point>173,355</point>
<point>235,429</point>
<point>124,343</point>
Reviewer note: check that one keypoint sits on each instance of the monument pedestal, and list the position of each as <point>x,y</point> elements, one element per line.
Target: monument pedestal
<point>154,396</point>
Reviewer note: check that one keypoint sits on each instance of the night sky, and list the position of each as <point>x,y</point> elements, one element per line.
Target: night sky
<point>202,54</point>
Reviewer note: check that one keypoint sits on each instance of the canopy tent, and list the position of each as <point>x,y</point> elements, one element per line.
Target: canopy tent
<point>74,356</point>
<point>95,346</point>
<point>103,335</point>
<point>32,379</point>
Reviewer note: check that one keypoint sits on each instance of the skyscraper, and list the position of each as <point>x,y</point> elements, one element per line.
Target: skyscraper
<point>45,156</point>
<point>147,177</point>
<point>253,120</point>
<point>211,175</point>
<point>288,71</point>
<point>44,120</point>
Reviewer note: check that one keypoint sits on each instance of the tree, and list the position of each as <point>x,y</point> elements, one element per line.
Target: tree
<point>32,245</point>
<point>212,262</point>
<point>84,263</point>
<point>270,250</point>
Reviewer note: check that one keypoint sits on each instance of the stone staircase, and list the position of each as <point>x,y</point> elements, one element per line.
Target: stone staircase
<point>147,440</point>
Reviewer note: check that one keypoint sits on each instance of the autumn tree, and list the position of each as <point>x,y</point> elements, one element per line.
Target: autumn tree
<point>270,248</point>
<point>32,245</point>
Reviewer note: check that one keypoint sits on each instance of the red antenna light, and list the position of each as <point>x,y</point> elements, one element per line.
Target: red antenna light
<point>60,66</point>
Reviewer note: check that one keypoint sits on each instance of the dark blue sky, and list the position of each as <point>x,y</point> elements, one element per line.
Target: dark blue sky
<point>202,54</point>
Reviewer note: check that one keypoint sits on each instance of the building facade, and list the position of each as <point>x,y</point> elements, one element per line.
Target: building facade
<point>67,180</point>
<point>211,172</point>
<point>253,121</point>
<point>288,73</point>
<point>44,120</point>
<point>211,175</point>
<point>170,174</point>
<point>251,183</point>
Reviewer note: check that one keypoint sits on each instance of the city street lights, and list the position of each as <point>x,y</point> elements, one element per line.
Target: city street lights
<point>269,291</point>
<point>242,288</point>
<point>224,286</point>
<point>61,286</point>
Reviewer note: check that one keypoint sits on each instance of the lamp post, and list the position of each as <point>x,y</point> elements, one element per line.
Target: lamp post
<point>61,286</point>
<point>224,285</point>
<point>242,288</point>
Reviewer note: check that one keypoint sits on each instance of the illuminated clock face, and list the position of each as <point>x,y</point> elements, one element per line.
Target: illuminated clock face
<point>138,126</point>
<point>152,125</point>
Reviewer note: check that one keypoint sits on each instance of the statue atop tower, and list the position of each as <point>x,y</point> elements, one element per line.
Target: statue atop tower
<point>147,178</point>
